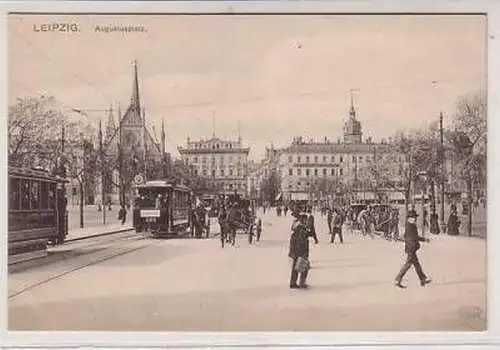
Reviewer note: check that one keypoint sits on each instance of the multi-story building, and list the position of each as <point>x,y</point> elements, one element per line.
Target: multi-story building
<point>223,163</point>
<point>308,167</point>
<point>263,171</point>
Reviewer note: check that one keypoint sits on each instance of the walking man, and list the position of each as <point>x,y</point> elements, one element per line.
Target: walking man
<point>310,225</point>
<point>412,245</point>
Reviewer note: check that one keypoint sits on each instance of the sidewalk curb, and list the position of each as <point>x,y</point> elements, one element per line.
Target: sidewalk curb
<point>99,234</point>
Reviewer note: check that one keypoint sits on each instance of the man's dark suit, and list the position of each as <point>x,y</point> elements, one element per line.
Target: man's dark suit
<point>412,245</point>
<point>311,227</point>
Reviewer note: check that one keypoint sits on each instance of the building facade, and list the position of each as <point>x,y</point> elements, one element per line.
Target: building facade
<point>312,169</point>
<point>224,163</point>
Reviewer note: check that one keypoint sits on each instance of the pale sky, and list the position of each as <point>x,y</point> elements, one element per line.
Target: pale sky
<point>281,76</point>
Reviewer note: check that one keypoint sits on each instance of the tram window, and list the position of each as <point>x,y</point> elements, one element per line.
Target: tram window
<point>52,196</point>
<point>25,194</point>
<point>35,195</point>
<point>45,195</point>
<point>14,194</point>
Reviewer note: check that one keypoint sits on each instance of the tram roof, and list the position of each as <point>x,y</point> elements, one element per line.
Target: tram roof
<point>35,174</point>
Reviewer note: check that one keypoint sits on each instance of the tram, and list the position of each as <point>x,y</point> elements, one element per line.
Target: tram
<point>162,208</point>
<point>37,213</point>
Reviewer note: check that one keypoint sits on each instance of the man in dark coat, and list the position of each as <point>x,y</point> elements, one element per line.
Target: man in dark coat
<point>329,219</point>
<point>299,247</point>
<point>310,225</point>
<point>337,222</point>
<point>412,245</point>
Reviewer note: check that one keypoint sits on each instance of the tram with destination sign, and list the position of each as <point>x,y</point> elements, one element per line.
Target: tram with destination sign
<point>162,208</point>
<point>37,213</point>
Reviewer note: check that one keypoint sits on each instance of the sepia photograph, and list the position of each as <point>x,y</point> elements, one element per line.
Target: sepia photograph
<point>247,172</point>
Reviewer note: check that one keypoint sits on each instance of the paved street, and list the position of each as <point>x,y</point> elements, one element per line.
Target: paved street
<point>92,217</point>
<point>130,283</point>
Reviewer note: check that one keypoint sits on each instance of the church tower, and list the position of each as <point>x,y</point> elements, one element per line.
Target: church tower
<point>132,125</point>
<point>110,127</point>
<point>352,127</point>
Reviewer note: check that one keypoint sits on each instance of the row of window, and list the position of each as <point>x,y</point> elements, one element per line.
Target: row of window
<point>333,171</point>
<point>222,159</point>
<point>358,159</point>
<point>231,172</point>
<point>212,146</point>
<point>31,194</point>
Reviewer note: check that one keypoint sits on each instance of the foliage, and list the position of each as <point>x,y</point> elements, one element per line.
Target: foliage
<point>468,142</point>
<point>270,187</point>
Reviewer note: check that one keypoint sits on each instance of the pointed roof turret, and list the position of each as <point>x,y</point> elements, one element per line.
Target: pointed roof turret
<point>352,111</point>
<point>110,127</point>
<point>134,100</point>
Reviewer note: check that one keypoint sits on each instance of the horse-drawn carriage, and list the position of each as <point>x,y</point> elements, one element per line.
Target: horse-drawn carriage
<point>237,217</point>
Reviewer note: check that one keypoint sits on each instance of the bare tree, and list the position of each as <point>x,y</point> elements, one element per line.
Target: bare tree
<point>34,128</point>
<point>469,144</point>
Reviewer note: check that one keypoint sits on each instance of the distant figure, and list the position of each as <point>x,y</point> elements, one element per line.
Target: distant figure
<point>425,222</point>
<point>337,222</point>
<point>285,210</point>
<point>311,226</point>
<point>412,245</point>
<point>258,228</point>
<point>329,220</point>
<point>453,226</point>
<point>122,214</point>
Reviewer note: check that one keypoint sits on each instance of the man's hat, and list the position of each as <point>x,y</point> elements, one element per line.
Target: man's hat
<point>412,214</point>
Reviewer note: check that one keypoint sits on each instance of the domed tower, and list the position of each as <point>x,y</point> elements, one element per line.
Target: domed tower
<point>352,127</point>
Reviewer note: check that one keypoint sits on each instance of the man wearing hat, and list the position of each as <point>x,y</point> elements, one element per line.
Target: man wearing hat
<point>412,245</point>
<point>299,248</point>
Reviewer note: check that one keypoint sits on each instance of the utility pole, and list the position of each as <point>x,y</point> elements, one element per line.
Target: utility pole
<point>103,175</point>
<point>443,171</point>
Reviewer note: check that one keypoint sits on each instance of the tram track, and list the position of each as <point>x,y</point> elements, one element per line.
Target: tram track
<point>42,277</point>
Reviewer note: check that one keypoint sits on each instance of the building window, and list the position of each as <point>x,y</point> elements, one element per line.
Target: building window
<point>315,172</point>
<point>307,172</point>
<point>204,172</point>
<point>307,159</point>
<point>341,171</point>
<point>298,183</point>
<point>290,187</point>
<point>324,172</point>
<point>196,159</point>
<point>360,159</point>
<point>290,172</point>
<point>333,171</point>
<point>222,172</point>
<point>315,159</point>
<point>299,172</point>
<point>196,172</point>
<point>298,159</point>
<point>324,159</point>
<point>354,159</point>
<point>290,159</point>
<point>341,159</point>
<point>213,173</point>
<point>230,172</point>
